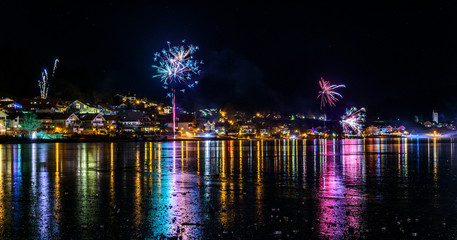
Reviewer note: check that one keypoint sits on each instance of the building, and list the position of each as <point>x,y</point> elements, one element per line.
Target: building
<point>112,123</point>
<point>93,123</point>
<point>186,124</point>
<point>3,122</point>
<point>65,123</point>
<point>130,120</point>
<point>247,129</point>
<point>106,109</point>
<point>13,127</point>
<point>59,122</point>
<point>46,121</point>
<point>372,130</point>
<point>80,107</point>
<point>39,105</point>
<point>8,105</point>
<point>167,109</point>
<point>209,126</point>
<point>435,116</point>
<point>428,124</point>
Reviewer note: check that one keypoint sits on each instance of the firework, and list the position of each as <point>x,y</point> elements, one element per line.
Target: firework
<point>353,120</point>
<point>328,93</point>
<point>176,65</point>
<point>55,67</point>
<point>43,83</point>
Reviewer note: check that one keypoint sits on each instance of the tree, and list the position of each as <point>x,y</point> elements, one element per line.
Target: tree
<point>30,123</point>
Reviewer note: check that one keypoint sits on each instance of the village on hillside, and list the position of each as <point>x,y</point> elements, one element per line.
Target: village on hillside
<point>140,118</point>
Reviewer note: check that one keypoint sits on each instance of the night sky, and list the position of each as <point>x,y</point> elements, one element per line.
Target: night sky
<point>397,61</point>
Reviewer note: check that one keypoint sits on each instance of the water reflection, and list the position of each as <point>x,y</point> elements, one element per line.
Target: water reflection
<point>211,189</point>
<point>2,192</point>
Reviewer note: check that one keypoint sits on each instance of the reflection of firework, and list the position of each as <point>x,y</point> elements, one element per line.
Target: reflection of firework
<point>353,119</point>
<point>43,83</point>
<point>328,93</point>
<point>176,65</point>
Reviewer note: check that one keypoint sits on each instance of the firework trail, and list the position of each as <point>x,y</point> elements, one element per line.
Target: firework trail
<point>54,68</point>
<point>353,119</point>
<point>43,83</point>
<point>328,93</point>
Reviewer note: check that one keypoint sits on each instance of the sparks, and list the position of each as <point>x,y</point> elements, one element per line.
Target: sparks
<point>328,93</point>
<point>176,65</point>
<point>55,67</point>
<point>353,119</point>
<point>43,83</point>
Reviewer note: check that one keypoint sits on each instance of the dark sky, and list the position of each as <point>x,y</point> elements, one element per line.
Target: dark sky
<point>396,60</point>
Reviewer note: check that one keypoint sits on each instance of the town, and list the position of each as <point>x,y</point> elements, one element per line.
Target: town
<point>132,117</point>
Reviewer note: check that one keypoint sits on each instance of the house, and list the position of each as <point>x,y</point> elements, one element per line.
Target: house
<point>279,128</point>
<point>106,109</point>
<point>122,106</point>
<point>372,130</point>
<point>149,124</point>
<point>40,105</point>
<point>401,129</point>
<point>46,121</point>
<point>59,122</point>
<point>12,123</point>
<point>130,120</point>
<point>210,126</point>
<point>112,123</point>
<point>128,99</point>
<point>247,129</point>
<point>8,105</point>
<point>93,123</point>
<point>3,122</point>
<point>65,123</point>
<point>428,124</point>
<point>185,124</point>
<point>167,110</point>
<point>221,128</point>
<point>389,129</point>
<point>80,107</point>
<point>3,115</point>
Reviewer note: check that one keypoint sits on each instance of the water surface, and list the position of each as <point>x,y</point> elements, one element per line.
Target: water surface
<point>372,188</point>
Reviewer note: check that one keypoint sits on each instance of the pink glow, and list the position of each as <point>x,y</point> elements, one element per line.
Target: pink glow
<point>340,205</point>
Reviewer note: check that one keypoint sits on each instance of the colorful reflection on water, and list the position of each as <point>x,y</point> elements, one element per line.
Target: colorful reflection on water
<point>227,189</point>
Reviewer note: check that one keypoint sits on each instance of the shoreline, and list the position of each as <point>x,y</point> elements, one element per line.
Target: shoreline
<point>20,140</point>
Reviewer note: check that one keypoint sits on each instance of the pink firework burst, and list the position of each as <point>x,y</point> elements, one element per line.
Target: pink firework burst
<point>353,120</point>
<point>328,93</point>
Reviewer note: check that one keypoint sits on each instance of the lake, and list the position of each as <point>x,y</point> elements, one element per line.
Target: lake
<point>284,189</point>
